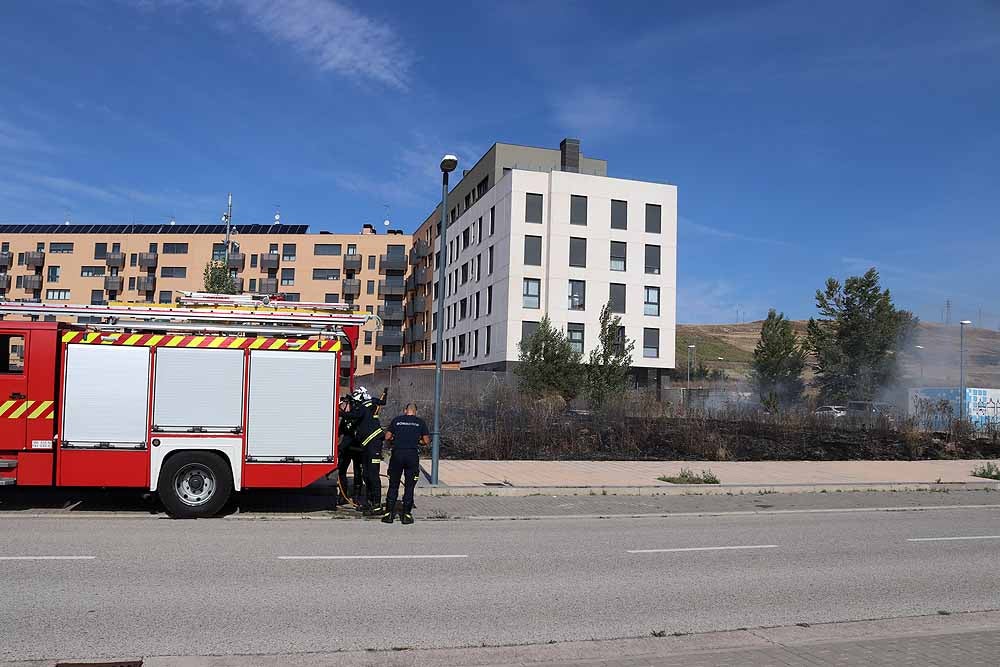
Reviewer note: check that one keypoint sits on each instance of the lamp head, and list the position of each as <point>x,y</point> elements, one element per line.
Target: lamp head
<point>448,163</point>
<point>965,322</point>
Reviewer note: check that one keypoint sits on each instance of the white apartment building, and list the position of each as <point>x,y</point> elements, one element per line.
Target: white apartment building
<point>562,244</point>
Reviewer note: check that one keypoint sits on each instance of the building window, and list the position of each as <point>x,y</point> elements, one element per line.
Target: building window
<point>100,251</point>
<point>616,298</point>
<point>437,260</point>
<point>652,302</point>
<point>153,247</point>
<point>218,252</point>
<point>366,359</point>
<point>532,293</point>
<point>483,187</point>
<point>477,305</point>
<point>493,218</point>
<point>91,271</point>
<point>5,246</point>
<point>653,259</point>
<point>533,250</point>
<point>619,214</point>
<point>574,334</point>
<point>475,343</point>
<point>463,309</point>
<point>368,309</point>
<point>326,274</point>
<point>466,237</point>
<point>288,276</point>
<point>533,208</point>
<point>577,210</point>
<point>577,252</point>
<point>461,345</point>
<point>577,295</point>
<point>169,249</point>
<point>489,264</point>
<point>131,283</point>
<point>479,267</point>
<point>368,338</point>
<point>652,218</point>
<point>352,249</point>
<point>465,273</point>
<point>371,262</point>
<point>173,271</point>
<point>133,259</point>
<point>479,231</point>
<point>331,298</point>
<point>19,282</point>
<point>489,299</point>
<point>272,249</point>
<point>253,285</point>
<point>288,252</point>
<point>97,297</point>
<point>489,332</point>
<point>20,259</point>
<point>57,294</point>
<point>52,274</point>
<point>253,261</point>
<point>618,256</point>
<point>327,249</point>
<point>60,248</point>
<point>116,247</point>
<point>528,330</point>
<point>370,287</point>
<point>651,343</point>
<point>292,296</point>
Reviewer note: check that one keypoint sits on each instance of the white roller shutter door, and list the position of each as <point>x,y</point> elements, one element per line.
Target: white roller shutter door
<point>291,405</point>
<point>107,394</point>
<point>198,390</point>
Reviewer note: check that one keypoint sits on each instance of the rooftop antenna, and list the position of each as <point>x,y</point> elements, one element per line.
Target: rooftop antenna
<point>172,221</point>
<point>277,214</point>
<point>386,222</point>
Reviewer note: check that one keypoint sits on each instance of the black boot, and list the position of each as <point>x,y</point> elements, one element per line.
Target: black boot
<point>388,516</point>
<point>406,519</point>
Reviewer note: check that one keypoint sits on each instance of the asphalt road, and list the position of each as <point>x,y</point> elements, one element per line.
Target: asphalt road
<point>117,586</point>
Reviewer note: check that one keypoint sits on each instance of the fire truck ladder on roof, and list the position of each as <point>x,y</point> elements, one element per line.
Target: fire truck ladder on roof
<point>200,312</point>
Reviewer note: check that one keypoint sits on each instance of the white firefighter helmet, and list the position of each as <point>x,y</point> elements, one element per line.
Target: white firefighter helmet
<point>361,394</point>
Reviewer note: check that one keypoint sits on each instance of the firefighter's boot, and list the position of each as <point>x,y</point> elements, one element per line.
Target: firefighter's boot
<point>406,519</point>
<point>388,516</point>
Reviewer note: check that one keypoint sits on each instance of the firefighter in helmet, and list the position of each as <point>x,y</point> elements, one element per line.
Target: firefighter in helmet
<point>363,415</point>
<point>350,454</point>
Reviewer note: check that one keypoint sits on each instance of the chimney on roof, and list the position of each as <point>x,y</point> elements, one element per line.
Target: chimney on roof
<point>368,229</point>
<point>569,150</point>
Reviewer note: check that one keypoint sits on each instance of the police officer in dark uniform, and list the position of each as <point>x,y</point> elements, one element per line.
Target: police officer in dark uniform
<point>406,433</point>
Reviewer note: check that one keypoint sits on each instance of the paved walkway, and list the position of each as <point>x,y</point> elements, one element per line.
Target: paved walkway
<point>597,474</point>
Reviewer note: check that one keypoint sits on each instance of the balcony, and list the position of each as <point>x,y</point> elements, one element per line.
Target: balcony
<point>415,358</point>
<point>148,260</point>
<point>34,259</point>
<point>5,260</point>
<point>392,287</point>
<point>385,362</point>
<point>145,284</point>
<point>267,286</point>
<point>390,313</point>
<point>416,306</point>
<point>115,260</point>
<point>419,250</point>
<point>238,285</point>
<point>414,334</point>
<point>352,262</point>
<point>31,283</point>
<point>114,283</point>
<point>411,283</point>
<point>4,282</point>
<point>237,260</point>
<point>392,263</point>
<point>424,276</point>
<point>269,260</point>
<point>389,339</point>
<point>350,287</point>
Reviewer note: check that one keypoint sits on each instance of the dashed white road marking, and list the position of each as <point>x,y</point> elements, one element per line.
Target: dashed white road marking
<point>389,557</point>
<point>954,539</point>
<point>732,548</point>
<point>48,557</point>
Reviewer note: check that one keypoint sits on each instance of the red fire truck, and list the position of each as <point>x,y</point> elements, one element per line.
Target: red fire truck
<point>193,400</point>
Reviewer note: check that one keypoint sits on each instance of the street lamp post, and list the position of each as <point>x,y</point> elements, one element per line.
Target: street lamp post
<point>448,164</point>
<point>920,357</point>
<point>690,352</point>
<point>961,369</point>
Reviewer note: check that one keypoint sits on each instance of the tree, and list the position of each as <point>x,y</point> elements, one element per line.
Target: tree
<point>855,338</point>
<point>217,279</point>
<point>548,364</point>
<point>778,361</point>
<point>609,363</point>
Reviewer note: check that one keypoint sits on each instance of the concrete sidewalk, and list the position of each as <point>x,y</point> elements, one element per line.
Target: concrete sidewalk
<point>641,477</point>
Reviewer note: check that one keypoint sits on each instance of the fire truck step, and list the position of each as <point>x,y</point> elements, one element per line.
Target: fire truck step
<point>7,464</point>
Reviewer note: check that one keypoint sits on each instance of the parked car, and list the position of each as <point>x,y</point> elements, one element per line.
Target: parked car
<point>870,411</point>
<point>831,411</point>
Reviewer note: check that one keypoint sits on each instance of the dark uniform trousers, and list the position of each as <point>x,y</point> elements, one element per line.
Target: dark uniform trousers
<point>405,464</point>
<point>372,467</point>
<point>350,454</point>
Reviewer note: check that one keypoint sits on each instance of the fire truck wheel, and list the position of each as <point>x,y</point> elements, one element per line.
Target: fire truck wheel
<point>194,484</point>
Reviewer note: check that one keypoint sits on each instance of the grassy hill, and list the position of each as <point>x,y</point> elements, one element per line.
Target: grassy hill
<point>937,363</point>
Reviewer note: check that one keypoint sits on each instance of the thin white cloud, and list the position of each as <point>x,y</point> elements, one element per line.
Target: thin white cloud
<point>725,234</point>
<point>714,302</point>
<point>593,110</point>
<point>16,138</point>
<point>331,36</point>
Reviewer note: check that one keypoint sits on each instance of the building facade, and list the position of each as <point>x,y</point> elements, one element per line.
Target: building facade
<point>535,232</point>
<point>152,263</point>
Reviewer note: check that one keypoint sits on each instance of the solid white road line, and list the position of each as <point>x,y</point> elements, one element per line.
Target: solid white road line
<point>47,557</point>
<point>399,557</point>
<point>953,539</point>
<point>667,551</point>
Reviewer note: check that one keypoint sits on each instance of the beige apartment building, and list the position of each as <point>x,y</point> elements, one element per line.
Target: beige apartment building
<point>150,263</point>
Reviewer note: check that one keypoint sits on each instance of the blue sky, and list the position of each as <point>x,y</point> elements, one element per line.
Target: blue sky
<point>806,140</point>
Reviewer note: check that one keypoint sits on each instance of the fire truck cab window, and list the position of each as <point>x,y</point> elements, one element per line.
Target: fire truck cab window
<point>11,354</point>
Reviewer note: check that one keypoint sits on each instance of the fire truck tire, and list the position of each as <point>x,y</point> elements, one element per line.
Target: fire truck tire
<point>194,485</point>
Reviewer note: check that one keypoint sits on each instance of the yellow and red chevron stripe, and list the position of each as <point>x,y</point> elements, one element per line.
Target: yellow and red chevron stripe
<point>27,409</point>
<point>211,342</point>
